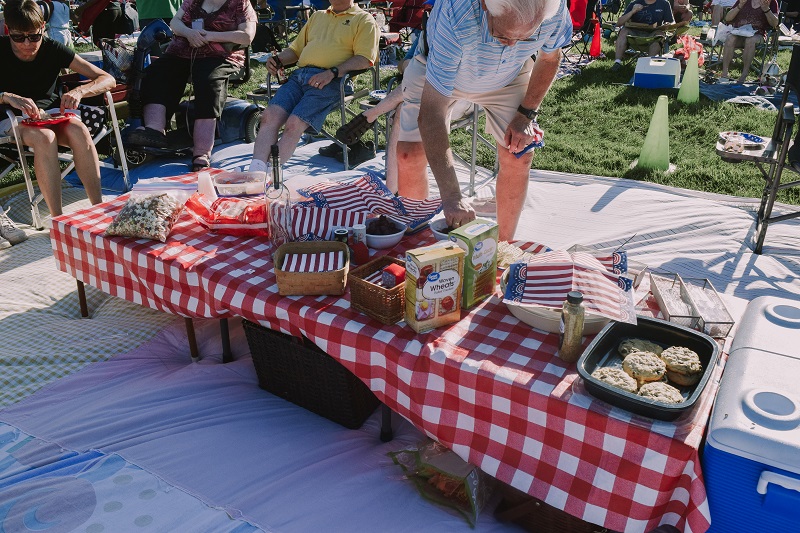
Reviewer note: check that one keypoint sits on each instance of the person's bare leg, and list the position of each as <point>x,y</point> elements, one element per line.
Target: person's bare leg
<point>392,100</point>
<point>622,44</point>
<point>77,138</point>
<point>511,190</point>
<point>748,53</point>
<point>273,118</point>
<point>716,15</point>
<point>45,163</point>
<point>727,55</point>
<point>412,165</point>
<point>656,48</point>
<point>203,133</point>
<point>155,117</point>
<point>292,132</point>
<point>392,172</point>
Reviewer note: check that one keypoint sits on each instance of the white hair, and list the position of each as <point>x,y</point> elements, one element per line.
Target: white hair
<point>523,10</point>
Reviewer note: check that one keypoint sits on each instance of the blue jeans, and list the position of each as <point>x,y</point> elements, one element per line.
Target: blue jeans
<point>309,104</point>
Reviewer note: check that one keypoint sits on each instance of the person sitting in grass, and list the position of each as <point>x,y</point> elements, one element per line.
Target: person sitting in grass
<point>653,13</point>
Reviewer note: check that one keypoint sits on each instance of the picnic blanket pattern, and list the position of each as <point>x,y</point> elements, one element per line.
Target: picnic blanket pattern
<point>546,279</point>
<point>489,387</point>
<point>46,488</point>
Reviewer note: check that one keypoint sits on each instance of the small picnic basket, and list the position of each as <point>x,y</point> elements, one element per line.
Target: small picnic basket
<point>330,283</point>
<point>384,305</point>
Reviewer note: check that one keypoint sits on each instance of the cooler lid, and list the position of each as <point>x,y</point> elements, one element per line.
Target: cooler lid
<point>770,324</point>
<point>757,411</point>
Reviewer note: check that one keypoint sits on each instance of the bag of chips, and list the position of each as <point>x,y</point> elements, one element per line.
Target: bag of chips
<point>445,478</point>
<point>243,217</point>
<point>149,216</point>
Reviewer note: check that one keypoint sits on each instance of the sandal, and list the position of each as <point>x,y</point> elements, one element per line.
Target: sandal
<point>200,162</point>
<point>351,132</point>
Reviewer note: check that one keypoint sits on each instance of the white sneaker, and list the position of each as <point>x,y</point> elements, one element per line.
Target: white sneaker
<point>10,231</point>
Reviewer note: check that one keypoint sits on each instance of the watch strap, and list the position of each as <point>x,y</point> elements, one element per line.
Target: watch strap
<point>335,71</point>
<point>531,114</point>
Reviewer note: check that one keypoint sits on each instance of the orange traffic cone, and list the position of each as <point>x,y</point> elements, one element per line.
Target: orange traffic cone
<point>595,49</point>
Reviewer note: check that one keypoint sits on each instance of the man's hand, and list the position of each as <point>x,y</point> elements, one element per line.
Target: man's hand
<point>765,4</point>
<point>70,100</point>
<point>272,66</point>
<point>636,8</point>
<point>457,213</point>
<point>196,38</point>
<point>520,133</point>
<point>321,79</point>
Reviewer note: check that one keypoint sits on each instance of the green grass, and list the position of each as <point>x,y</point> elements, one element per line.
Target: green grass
<point>596,125</point>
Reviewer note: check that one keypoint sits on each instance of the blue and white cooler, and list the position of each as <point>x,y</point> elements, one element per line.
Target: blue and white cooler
<point>751,460</point>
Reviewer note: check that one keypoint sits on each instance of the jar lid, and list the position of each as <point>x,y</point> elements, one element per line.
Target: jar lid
<point>574,297</point>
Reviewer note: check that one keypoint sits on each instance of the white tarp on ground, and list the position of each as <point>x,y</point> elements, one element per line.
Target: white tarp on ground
<point>286,469</point>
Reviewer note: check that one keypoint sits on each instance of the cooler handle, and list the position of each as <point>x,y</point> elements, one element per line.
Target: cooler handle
<point>778,479</point>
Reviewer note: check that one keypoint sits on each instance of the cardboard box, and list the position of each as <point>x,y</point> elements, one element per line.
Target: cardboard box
<point>434,276</point>
<point>479,240</point>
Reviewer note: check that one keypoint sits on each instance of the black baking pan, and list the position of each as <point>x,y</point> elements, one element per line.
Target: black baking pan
<point>603,352</point>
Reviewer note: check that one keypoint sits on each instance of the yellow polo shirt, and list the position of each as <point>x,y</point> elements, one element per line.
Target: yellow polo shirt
<point>329,39</point>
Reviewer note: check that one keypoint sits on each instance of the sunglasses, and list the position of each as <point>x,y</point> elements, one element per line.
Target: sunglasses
<point>20,37</point>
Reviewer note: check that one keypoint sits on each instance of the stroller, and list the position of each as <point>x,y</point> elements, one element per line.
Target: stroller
<point>239,120</point>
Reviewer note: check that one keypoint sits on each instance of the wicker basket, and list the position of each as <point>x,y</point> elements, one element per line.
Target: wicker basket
<point>535,515</point>
<point>298,371</point>
<point>380,303</point>
<point>311,283</point>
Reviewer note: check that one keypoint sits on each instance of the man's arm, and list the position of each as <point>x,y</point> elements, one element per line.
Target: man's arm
<point>433,129</point>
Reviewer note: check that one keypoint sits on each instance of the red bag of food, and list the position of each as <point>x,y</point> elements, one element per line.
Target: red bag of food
<point>243,217</point>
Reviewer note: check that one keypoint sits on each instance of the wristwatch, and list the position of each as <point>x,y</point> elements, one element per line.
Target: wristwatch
<point>335,72</point>
<point>531,114</point>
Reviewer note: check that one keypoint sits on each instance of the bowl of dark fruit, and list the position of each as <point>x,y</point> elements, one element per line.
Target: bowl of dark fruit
<point>441,230</point>
<point>384,232</point>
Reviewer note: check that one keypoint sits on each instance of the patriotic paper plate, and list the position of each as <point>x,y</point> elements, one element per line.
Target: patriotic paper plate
<point>750,140</point>
<point>377,95</point>
<point>54,119</point>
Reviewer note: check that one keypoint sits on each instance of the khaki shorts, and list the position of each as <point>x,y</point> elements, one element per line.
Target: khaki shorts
<point>500,105</point>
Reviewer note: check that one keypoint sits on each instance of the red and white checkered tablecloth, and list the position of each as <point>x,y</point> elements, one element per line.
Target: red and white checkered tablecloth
<point>489,387</point>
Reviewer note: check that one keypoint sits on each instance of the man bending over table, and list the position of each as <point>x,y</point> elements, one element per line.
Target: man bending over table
<point>338,40</point>
<point>480,51</point>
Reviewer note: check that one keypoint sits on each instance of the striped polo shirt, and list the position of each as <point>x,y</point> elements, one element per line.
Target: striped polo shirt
<point>463,54</point>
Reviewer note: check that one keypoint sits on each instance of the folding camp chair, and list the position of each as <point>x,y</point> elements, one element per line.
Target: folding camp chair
<point>347,96</point>
<point>586,19</point>
<point>20,156</point>
<point>405,16</point>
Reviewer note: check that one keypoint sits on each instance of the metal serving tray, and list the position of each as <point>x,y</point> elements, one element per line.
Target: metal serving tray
<point>603,352</point>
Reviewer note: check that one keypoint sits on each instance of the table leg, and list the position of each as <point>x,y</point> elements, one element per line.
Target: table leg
<point>192,339</point>
<point>82,300</point>
<point>386,423</point>
<point>227,357</point>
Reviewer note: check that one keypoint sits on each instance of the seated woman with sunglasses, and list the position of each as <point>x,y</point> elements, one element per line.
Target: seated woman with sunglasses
<point>31,65</point>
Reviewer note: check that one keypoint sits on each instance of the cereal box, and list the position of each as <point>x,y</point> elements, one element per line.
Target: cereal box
<point>433,285</point>
<point>479,240</point>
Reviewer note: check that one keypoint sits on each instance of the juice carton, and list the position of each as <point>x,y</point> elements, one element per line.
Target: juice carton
<point>433,285</point>
<point>479,240</point>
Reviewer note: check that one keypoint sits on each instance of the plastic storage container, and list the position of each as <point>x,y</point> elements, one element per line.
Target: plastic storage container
<point>657,73</point>
<point>751,460</point>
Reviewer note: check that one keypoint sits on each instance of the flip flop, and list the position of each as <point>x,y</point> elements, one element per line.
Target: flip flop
<point>351,132</point>
<point>200,162</point>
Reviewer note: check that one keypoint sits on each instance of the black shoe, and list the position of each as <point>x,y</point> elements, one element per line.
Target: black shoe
<point>616,67</point>
<point>358,153</point>
<point>332,150</point>
<point>793,155</point>
<point>148,137</point>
